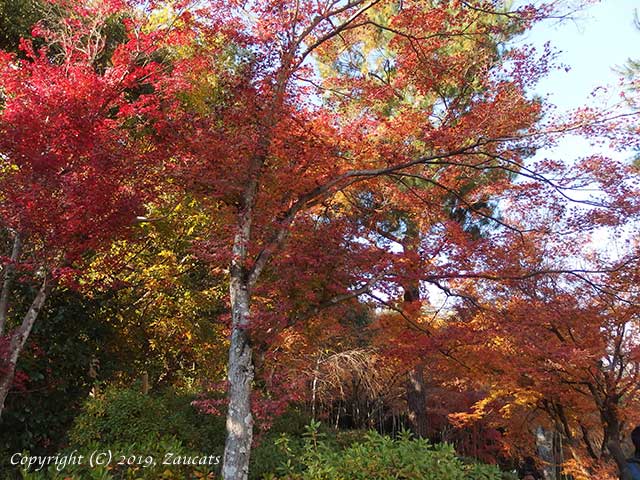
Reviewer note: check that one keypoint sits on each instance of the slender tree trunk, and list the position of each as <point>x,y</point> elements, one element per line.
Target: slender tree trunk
<point>608,407</point>
<point>18,340</point>
<point>237,448</point>
<point>586,438</point>
<point>240,375</point>
<point>417,402</point>
<point>559,453</point>
<point>546,451</point>
<point>6,283</point>
<point>314,388</point>
<point>416,390</point>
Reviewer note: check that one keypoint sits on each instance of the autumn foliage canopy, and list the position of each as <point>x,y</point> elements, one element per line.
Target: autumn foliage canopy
<point>365,180</point>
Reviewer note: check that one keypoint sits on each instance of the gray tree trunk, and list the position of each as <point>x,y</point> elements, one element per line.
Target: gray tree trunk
<point>614,444</point>
<point>416,389</point>
<point>546,452</point>
<point>18,340</point>
<point>239,419</point>
<point>240,375</point>
<point>6,284</point>
<point>417,402</point>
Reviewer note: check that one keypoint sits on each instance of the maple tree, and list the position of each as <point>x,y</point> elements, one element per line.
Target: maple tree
<point>543,341</point>
<point>79,142</point>
<point>281,143</point>
<point>562,353</point>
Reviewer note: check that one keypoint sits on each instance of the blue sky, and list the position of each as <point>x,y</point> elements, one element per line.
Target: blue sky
<point>601,37</point>
<point>592,44</point>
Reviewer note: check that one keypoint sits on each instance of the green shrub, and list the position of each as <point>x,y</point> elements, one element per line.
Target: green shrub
<point>375,457</point>
<point>126,416</point>
<point>123,418</point>
<point>141,430</point>
<point>118,416</point>
<point>267,455</point>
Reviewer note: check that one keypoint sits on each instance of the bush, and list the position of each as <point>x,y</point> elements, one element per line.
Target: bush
<point>126,421</point>
<point>376,457</point>
<point>266,455</point>
<point>139,431</point>
<point>126,416</point>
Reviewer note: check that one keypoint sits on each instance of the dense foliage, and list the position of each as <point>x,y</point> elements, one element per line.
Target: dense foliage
<point>377,457</point>
<point>284,211</point>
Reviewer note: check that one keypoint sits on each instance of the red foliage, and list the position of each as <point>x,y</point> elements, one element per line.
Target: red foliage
<point>79,143</point>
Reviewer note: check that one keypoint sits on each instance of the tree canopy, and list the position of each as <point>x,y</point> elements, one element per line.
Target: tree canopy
<point>300,184</point>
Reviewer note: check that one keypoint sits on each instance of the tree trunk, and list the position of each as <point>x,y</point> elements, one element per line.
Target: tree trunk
<point>416,390</point>
<point>417,402</point>
<point>314,388</point>
<point>18,340</point>
<point>240,375</point>
<point>545,447</point>
<point>6,284</point>
<point>614,434</point>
